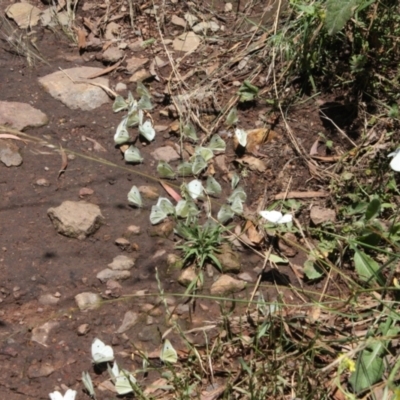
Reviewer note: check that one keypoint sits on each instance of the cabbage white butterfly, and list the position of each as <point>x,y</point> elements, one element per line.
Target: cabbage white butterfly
<point>395,163</point>
<point>213,188</point>
<point>157,215</point>
<point>241,136</point>
<point>122,134</point>
<point>147,130</point>
<point>69,395</point>
<point>204,152</point>
<point>132,154</point>
<point>195,188</point>
<point>225,214</point>
<point>237,193</point>
<point>168,353</point>
<point>186,208</point>
<point>276,217</point>
<point>237,205</point>
<point>119,104</point>
<point>87,381</point>
<point>199,164</point>
<point>217,144</point>
<point>165,170</point>
<point>123,380</point>
<point>101,353</point>
<point>184,169</point>
<point>190,132</point>
<point>165,205</point>
<point>135,197</point>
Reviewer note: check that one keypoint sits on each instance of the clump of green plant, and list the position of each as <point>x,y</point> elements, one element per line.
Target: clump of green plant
<point>201,242</point>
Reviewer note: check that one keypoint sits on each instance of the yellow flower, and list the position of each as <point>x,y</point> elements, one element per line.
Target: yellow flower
<point>347,363</point>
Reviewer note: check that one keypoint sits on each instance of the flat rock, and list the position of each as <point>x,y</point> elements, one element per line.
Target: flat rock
<point>84,96</point>
<point>187,276</point>
<point>40,370</point>
<point>187,42</point>
<point>140,76</point>
<point>76,219</point>
<point>112,54</point>
<point>41,333</point>
<point>229,259</point>
<point>205,26</point>
<point>130,319</point>
<point>134,63</point>
<point>87,301</point>
<point>319,215</point>
<point>107,274</point>
<point>24,14</point>
<point>178,21</point>
<point>225,285</point>
<point>21,115</point>
<point>121,263</point>
<point>165,153</point>
<point>48,299</point>
<point>9,153</point>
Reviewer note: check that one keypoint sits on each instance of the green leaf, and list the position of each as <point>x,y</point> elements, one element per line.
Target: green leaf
<point>373,209</point>
<point>369,370</point>
<point>277,260</point>
<point>367,268</point>
<point>338,12</point>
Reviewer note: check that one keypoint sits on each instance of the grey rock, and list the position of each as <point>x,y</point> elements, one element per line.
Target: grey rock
<point>166,153</point>
<point>107,274</point>
<point>83,329</point>
<point>130,319</point>
<point>134,64</point>
<point>41,333</point>
<point>120,87</point>
<point>225,285</point>
<point>228,258</point>
<point>48,300</point>
<point>21,115</point>
<point>87,301</point>
<point>76,219</point>
<point>9,153</point>
<point>24,14</point>
<point>121,263</point>
<point>319,215</point>
<point>112,54</point>
<point>42,182</point>
<point>84,96</point>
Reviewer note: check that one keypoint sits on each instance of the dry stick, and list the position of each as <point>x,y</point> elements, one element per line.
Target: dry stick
<point>268,253</point>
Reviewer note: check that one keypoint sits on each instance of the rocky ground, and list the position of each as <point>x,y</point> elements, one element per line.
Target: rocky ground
<point>77,260</point>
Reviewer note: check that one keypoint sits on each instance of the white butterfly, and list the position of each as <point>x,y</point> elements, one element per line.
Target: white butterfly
<point>132,154</point>
<point>241,136</point>
<point>186,208</point>
<point>276,217</point>
<point>168,353</point>
<point>225,214</point>
<point>195,188</point>
<point>147,130</point>
<point>123,379</point>
<point>87,381</point>
<point>122,134</point>
<point>395,163</point>
<point>101,353</point>
<point>135,197</point>
<point>69,395</point>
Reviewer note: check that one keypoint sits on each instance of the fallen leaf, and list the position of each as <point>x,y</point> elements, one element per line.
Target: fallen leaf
<point>81,33</point>
<point>187,42</point>
<point>176,196</point>
<point>252,233</point>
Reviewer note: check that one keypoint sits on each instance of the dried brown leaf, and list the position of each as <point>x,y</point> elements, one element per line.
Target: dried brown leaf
<point>64,162</point>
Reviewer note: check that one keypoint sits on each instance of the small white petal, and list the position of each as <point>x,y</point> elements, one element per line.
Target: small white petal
<point>276,217</point>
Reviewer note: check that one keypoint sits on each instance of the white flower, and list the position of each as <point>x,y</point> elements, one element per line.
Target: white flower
<point>276,217</point>
<point>395,163</point>
<point>69,395</point>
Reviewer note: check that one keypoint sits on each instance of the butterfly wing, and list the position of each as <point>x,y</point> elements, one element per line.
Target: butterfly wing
<point>101,353</point>
<point>56,396</point>
<point>70,394</point>
<point>285,219</point>
<point>195,188</point>
<point>147,130</point>
<point>87,381</point>
<point>157,215</point>
<point>168,353</point>
<point>395,163</point>
<point>241,136</point>
<point>135,197</point>
<point>271,216</point>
